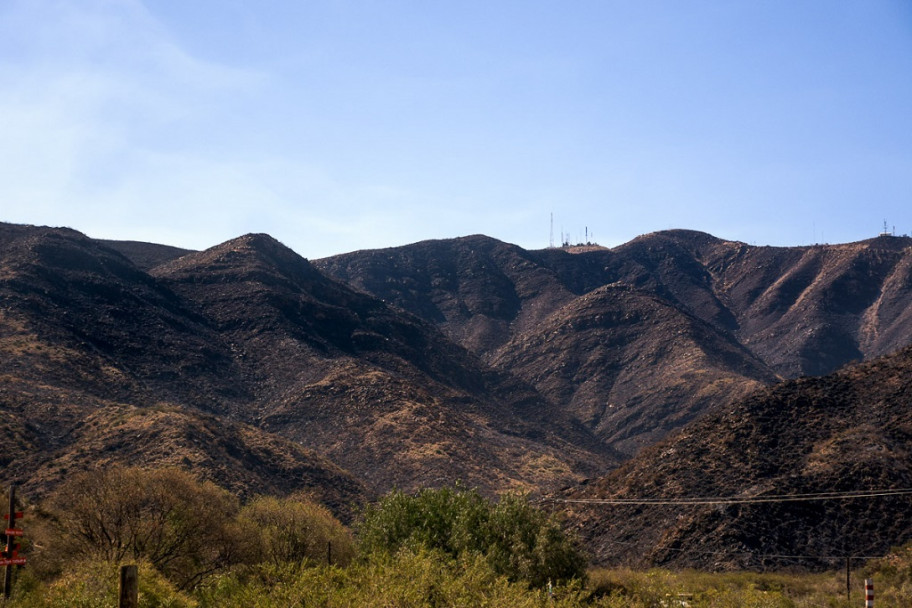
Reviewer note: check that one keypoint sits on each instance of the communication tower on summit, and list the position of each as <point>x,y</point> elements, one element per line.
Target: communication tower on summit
<point>551,239</point>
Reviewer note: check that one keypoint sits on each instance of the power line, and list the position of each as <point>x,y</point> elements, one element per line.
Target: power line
<point>735,500</point>
<point>754,556</point>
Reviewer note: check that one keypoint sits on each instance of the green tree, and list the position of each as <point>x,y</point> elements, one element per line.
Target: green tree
<point>525,543</point>
<point>519,540</point>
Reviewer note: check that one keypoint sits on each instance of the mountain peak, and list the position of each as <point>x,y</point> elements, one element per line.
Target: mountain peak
<point>253,255</point>
<point>259,245</point>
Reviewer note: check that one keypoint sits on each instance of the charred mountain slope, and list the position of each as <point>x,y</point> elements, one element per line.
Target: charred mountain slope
<point>80,316</point>
<point>845,432</point>
<point>632,366</point>
<point>479,290</point>
<point>345,374</point>
<point>282,366</point>
<point>765,312</point>
<point>100,364</point>
<point>801,310</point>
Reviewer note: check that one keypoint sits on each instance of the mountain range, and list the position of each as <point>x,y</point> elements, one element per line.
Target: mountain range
<point>464,360</point>
<point>637,340</point>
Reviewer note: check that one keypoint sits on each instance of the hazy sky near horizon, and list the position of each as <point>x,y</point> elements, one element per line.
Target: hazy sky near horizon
<point>339,125</point>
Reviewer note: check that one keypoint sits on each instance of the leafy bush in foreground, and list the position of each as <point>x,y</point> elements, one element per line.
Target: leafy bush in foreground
<point>95,584</point>
<point>294,529</point>
<point>425,578</point>
<point>186,529</point>
<point>182,527</point>
<point>405,579</point>
<point>518,540</point>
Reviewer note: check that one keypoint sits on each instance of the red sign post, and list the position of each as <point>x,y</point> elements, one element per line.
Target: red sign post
<point>10,554</point>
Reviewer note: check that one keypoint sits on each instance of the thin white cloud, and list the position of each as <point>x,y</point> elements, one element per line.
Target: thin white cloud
<point>95,112</point>
<point>97,86</point>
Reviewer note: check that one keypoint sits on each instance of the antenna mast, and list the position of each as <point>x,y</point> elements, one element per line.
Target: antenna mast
<point>551,238</point>
<point>886,231</point>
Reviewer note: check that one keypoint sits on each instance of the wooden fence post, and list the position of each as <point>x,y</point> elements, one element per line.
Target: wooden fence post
<point>129,587</point>
<point>848,579</point>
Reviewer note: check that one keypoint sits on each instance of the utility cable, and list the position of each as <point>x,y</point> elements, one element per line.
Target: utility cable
<point>734,500</point>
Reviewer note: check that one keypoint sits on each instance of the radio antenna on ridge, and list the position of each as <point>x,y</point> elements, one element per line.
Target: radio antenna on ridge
<point>551,238</point>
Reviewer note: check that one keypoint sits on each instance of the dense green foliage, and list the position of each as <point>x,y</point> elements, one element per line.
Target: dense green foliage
<point>437,548</point>
<point>517,540</point>
<point>406,579</point>
<point>418,579</point>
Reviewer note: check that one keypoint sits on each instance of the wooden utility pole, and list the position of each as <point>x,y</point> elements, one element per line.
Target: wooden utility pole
<point>129,587</point>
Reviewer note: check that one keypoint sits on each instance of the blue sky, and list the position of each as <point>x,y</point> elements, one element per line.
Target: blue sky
<point>339,125</point>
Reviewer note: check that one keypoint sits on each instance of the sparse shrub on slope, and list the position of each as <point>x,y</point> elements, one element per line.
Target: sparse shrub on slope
<point>518,540</point>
